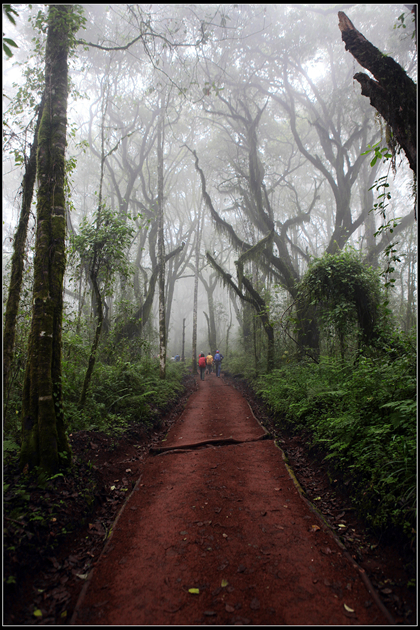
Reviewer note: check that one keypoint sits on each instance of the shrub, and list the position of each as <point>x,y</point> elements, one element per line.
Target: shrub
<point>364,416</point>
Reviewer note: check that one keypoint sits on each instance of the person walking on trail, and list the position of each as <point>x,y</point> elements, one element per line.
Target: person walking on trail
<point>209,362</point>
<point>218,362</point>
<point>202,365</point>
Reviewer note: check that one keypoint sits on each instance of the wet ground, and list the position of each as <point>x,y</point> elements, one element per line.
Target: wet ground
<point>216,531</point>
<point>215,510</point>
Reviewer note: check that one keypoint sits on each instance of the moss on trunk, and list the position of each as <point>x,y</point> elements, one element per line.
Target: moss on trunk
<point>393,93</point>
<point>17,262</point>
<point>43,432</point>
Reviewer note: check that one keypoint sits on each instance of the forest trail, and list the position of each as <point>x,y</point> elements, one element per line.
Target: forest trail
<point>226,520</point>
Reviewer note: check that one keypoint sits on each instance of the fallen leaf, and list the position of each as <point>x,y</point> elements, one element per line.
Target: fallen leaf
<point>194,591</point>
<point>341,525</point>
<point>82,576</point>
<point>315,528</point>
<point>112,487</point>
<point>224,583</point>
<point>37,613</point>
<point>224,535</point>
<point>348,608</point>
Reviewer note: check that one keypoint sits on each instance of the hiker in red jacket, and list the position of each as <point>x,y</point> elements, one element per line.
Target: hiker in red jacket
<point>202,365</point>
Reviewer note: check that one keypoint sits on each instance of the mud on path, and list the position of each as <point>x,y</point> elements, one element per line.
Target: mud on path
<point>216,532</point>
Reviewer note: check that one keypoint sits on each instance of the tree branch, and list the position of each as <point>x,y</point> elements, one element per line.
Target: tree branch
<point>393,94</point>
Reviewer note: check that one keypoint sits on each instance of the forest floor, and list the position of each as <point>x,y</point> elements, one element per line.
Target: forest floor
<point>226,519</point>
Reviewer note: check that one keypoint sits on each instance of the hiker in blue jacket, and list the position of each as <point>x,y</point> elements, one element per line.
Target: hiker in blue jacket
<point>218,362</point>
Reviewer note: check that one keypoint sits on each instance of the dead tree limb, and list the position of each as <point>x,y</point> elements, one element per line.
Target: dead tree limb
<point>392,92</point>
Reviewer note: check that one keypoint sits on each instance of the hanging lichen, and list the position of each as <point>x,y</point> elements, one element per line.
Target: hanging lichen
<point>252,254</point>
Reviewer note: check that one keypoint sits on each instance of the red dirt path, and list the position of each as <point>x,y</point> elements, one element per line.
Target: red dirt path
<point>225,519</point>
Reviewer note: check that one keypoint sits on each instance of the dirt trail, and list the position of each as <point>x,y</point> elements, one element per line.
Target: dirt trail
<point>226,520</point>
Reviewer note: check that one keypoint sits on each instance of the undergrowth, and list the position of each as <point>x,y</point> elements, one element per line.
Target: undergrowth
<point>364,415</point>
<point>119,395</point>
<point>40,510</point>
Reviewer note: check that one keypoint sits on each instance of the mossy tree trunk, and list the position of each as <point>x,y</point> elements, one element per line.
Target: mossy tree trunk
<point>43,431</point>
<point>392,92</point>
<point>17,263</point>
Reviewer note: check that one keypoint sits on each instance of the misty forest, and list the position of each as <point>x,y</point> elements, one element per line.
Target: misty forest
<point>182,179</point>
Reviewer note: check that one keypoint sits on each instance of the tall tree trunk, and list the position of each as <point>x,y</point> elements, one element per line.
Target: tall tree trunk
<point>210,318</point>
<point>183,341</point>
<point>97,301</point>
<point>92,358</point>
<point>140,318</point>
<point>197,262</point>
<point>227,335</point>
<point>17,263</point>
<point>161,248</point>
<point>43,432</point>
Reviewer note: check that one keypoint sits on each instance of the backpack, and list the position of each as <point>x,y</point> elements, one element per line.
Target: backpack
<point>209,359</point>
<point>217,357</point>
<point>202,361</point>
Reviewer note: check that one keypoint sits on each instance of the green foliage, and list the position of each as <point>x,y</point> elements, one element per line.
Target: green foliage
<point>9,12</point>
<point>346,291</point>
<point>242,364</point>
<point>364,416</point>
<point>119,395</point>
<point>10,446</point>
<point>383,196</point>
<point>102,245</point>
<point>401,20</point>
<point>380,153</point>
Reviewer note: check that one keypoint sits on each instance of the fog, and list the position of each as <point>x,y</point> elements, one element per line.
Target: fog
<point>261,127</point>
